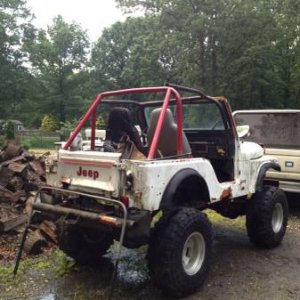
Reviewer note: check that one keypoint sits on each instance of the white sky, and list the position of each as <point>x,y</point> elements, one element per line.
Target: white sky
<point>92,15</point>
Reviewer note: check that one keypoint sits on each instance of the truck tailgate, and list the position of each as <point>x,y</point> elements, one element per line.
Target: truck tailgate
<point>90,169</point>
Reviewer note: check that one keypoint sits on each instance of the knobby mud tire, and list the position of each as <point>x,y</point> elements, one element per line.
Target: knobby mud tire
<point>267,217</point>
<point>86,246</point>
<point>167,248</point>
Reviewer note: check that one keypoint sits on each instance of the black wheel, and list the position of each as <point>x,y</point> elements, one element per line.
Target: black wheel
<point>266,218</point>
<point>179,252</point>
<point>84,245</point>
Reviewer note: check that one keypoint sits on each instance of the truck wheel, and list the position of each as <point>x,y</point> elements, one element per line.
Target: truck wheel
<point>266,218</point>
<point>84,245</point>
<point>179,252</point>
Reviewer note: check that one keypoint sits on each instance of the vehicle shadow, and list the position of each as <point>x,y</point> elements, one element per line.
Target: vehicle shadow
<point>294,204</point>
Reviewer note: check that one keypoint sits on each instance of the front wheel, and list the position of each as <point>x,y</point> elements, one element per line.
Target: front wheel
<point>179,252</point>
<point>267,216</point>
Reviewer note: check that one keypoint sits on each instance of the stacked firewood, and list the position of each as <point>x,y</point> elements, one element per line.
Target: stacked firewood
<point>21,175</point>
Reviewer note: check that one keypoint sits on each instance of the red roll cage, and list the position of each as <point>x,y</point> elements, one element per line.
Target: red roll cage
<point>169,92</point>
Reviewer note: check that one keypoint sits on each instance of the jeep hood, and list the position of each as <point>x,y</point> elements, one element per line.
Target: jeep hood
<point>250,150</point>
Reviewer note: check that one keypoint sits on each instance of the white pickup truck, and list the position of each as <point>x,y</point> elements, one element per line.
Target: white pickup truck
<point>194,160</point>
<point>278,130</point>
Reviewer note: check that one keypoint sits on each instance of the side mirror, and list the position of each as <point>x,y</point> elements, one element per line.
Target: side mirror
<point>243,131</point>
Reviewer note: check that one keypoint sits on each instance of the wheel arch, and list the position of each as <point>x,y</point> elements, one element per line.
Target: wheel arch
<point>185,187</point>
<point>262,174</point>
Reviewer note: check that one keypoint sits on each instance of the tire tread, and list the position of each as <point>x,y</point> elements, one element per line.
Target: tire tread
<point>166,247</point>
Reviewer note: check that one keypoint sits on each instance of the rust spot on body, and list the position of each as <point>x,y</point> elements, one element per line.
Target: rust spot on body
<point>110,221</point>
<point>242,184</point>
<point>226,193</point>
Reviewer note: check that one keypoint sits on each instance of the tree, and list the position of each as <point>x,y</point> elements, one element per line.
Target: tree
<point>10,130</point>
<point>49,123</point>
<point>288,49</point>
<point>126,55</point>
<point>14,20</point>
<point>58,56</point>
<point>247,50</point>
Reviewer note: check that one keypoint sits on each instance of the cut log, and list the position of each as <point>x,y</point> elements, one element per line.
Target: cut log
<point>17,167</point>
<point>28,204</point>
<point>33,181</point>
<point>5,176</point>
<point>7,225</point>
<point>35,242</point>
<point>37,167</point>
<point>11,150</point>
<point>9,195</point>
<point>48,229</point>
<point>16,183</point>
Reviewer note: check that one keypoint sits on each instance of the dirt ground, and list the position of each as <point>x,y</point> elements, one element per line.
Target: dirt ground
<point>238,270</point>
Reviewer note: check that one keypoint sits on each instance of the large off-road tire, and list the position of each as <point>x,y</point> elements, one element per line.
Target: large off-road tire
<point>179,252</point>
<point>84,245</point>
<point>267,216</point>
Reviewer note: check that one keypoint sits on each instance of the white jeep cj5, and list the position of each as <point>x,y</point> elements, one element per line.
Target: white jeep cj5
<point>152,189</point>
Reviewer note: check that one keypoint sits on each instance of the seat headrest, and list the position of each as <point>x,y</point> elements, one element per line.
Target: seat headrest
<point>169,119</point>
<point>167,145</point>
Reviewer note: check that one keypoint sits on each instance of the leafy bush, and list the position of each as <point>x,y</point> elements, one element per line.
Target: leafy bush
<point>10,130</point>
<point>100,123</point>
<point>49,123</point>
<point>66,128</point>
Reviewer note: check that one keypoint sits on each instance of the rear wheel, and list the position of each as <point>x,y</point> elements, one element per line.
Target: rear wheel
<point>84,245</point>
<point>267,216</point>
<point>179,252</point>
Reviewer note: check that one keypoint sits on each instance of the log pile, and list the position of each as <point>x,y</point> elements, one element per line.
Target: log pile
<point>21,174</point>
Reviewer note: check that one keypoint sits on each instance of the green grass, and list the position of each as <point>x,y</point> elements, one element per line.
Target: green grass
<point>62,265</point>
<point>217,219</point>
<point>33,142</point>
<point>6,270</point>
<point>41,142</point>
